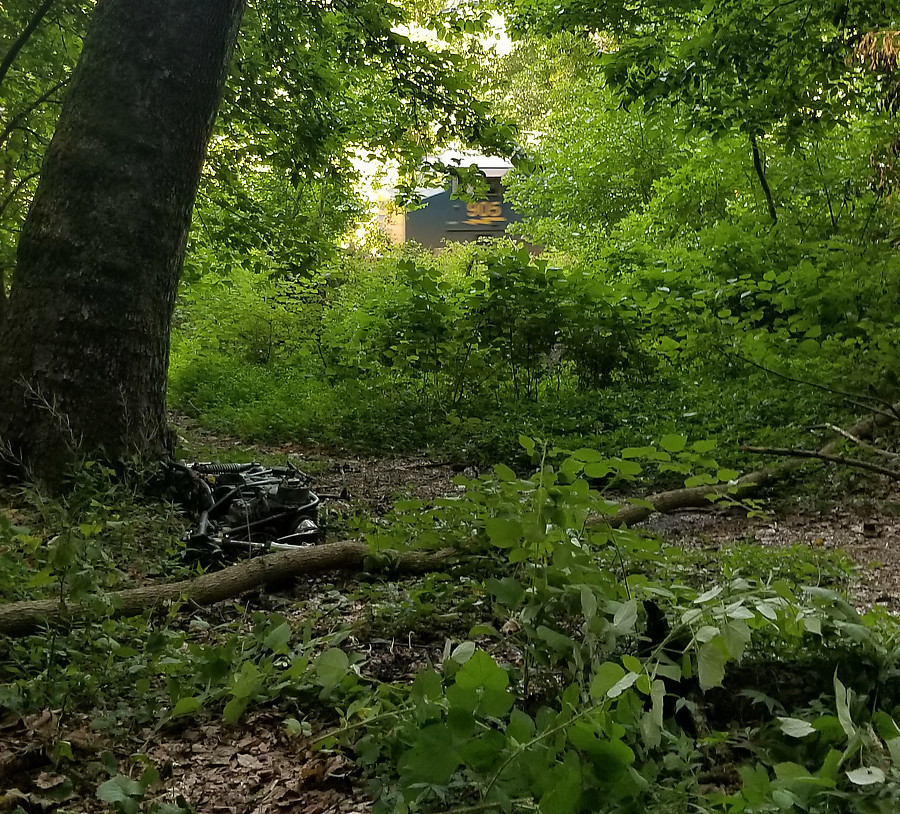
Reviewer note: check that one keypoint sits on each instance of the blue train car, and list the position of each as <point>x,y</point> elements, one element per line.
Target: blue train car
<point>444,218</point>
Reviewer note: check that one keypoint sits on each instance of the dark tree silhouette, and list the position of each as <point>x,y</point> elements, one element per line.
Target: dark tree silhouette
<point>84,340</point>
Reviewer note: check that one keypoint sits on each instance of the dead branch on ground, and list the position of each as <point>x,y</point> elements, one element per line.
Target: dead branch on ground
<point>22,618</point>
<point>747,485</point>
<point>793,452</point>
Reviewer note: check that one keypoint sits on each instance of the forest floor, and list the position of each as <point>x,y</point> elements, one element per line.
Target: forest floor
<point>257,767</point>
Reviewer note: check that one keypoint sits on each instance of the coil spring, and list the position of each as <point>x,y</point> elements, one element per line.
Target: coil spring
<point>220,469</point>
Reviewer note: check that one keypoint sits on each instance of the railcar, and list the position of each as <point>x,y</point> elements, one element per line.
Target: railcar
<point>442,217</point>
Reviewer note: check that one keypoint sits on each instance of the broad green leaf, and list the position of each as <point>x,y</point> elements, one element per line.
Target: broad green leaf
<point>330,667</point>
<point>673,443</point>
<point>278,638</point>
<point>509,591</point>
<point>606,676</point>
<point>633,664</point>
<point>463,652</point>
<point>119,789</point>
<point>711,660</point>
<point>625,617</point>
<point>709,595</point>
<point>622,684</point>
<point>234,709</point>
<point>504,532</point>
<point>187,706</point>
<point>482,671</point>
<point>432,758</point>
<point>426,686</point>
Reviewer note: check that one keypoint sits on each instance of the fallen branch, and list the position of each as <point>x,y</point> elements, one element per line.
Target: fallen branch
<point>745,486</point>
<point>791,452</point>
<point>860,443</point>
<point>20,618</point>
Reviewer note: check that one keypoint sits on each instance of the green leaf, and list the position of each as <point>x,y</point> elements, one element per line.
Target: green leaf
<point>842,703</point>
<point>187,706</point>
<point>597,470</point>
<point>432,759</point>
<point>331,667</point>
<point>563,796</point>
<point>711,660</point>
<point>426,686</point>
<point>277,639</point>
<point>120,789</point>
<point>588,603</point>
<point>504,473</point>
<point>504,532</point>
<point>482,671</point>
<point>633,664</point>
<point>625,617</point>
<point>622,684</point>
<point>463,652</point>
<point>234,709</point>
<point>706,596</point>
<point>673,443</point>
<point>509,591</point>
<point>605,678</point>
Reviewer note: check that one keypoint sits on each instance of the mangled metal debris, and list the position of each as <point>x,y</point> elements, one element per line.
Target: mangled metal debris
<point>246,509</point>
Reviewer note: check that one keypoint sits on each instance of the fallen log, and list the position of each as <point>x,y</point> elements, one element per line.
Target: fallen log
<point>21,618</point>
<point>745,486</point>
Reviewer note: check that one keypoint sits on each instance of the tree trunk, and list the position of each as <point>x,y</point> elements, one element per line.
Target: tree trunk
<point>85,340</point>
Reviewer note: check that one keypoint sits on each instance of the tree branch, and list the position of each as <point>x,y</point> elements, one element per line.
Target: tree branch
<point>15,120</point>
<point>859,442</point>
<point>21,618</point>
<point>790,452</point>
<point>744,486</point>
<point>761,174</point>
<point>858,400</point>
<point>15,191</point>
<point>17,46</point>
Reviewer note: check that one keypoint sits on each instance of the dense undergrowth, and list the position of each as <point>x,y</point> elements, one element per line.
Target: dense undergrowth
<point>564,665</point>
<point>462,352</point>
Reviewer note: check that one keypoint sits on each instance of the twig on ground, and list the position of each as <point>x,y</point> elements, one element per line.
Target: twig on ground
<point>859,442</point>
<point>791,452</point>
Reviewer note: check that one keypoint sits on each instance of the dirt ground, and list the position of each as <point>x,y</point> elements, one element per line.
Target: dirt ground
<point>258,768</point>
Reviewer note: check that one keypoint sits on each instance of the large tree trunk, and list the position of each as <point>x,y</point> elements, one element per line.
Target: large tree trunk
<point>84,342</point>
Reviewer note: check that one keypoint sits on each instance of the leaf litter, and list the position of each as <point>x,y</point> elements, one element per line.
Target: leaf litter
<point>258,767</point>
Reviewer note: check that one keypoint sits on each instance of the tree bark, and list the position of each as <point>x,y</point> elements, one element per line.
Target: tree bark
<point>763,182</point>
<point>85,340</point>
<point>22,618</point>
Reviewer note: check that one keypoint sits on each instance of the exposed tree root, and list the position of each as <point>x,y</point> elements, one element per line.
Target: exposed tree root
<point>747,485</point>
<point>21,618</point>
